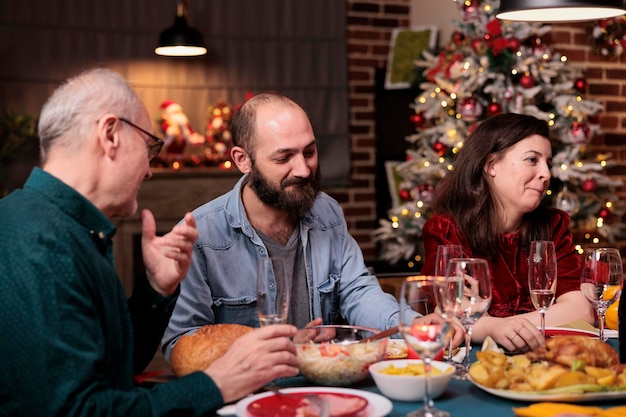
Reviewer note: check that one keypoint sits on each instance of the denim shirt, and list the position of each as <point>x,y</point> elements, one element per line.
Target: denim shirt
<point>220,286</point>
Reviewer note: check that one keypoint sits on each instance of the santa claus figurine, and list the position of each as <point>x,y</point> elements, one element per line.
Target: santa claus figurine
<point>176,128</point>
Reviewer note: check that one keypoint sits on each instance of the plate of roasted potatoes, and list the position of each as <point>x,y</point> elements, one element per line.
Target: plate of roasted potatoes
<point>564,369</point>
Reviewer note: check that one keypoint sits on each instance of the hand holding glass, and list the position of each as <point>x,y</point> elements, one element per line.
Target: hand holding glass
<point>542,273</point>
<point>273,291</point>
<point>602,280</point>
<point>467,297</point>
<point>444,254</point>
<point>425,339</point>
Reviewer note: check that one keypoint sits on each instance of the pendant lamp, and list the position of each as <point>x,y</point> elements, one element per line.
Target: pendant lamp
<point>554,11</point>
<point>180,39</point>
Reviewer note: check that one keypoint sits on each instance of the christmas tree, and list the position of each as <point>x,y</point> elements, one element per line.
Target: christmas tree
<point>489,67</point>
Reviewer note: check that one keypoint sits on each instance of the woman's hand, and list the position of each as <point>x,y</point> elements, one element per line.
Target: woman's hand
<point>515,334</point>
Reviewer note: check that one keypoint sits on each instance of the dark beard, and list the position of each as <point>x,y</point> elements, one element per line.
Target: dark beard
<point>297,202</point>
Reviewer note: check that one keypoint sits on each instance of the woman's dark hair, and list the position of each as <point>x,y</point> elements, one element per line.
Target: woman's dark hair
<point>464,193</point>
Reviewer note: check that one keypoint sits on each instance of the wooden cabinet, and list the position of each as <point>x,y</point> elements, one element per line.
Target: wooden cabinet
<point>169,195</point>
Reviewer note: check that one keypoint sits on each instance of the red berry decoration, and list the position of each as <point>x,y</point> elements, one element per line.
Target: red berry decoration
<point>527,81</point>
<point>580,85</point>
<point>440,148</point>
<point>589,186</point>
<point>493,109</point>
<point>418,120</point>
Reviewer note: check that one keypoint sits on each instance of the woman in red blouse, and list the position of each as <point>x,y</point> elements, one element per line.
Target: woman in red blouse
<point>490,204</point>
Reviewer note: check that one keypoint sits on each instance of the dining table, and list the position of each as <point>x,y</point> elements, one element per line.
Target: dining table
<point>461,398</point>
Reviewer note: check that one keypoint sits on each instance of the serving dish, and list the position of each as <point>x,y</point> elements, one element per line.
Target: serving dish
<point>377,405</point>
<point>410,387</point>
<point>564,331</point>
<point>550,395</point>
<point>335,355</point>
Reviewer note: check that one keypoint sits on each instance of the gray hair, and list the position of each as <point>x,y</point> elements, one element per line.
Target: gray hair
<point>71,113</point>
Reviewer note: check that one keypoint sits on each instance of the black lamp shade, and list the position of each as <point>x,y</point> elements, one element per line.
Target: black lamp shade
<point>180,40</point>
<point>552,11</point>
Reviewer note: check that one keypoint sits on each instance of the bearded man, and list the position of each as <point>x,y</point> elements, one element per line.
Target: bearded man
<point>276,210</point>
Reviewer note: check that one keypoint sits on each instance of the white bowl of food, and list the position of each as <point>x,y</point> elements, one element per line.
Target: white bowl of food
<point>403,379</point>
<point>333,355</point>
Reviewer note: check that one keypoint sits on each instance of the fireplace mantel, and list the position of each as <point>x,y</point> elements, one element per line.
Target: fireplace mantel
<point>169,195</point>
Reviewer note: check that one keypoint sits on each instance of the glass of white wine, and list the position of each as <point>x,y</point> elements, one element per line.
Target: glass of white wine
<point>542,274</point>
<point>273,291</point>
<point>444,254</point>
<point>468,297</point>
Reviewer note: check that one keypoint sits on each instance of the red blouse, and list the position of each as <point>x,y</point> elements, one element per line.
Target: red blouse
<point>509,273</point>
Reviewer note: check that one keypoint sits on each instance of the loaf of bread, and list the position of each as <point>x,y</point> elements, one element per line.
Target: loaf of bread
<point>196,351</point>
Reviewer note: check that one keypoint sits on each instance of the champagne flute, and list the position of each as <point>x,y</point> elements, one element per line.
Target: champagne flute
<point>542,274</point>
<point>273,291</point>
<point>467,298</point>
<point>444,254</point>
<point>602,280</point>
<point>425,339</point>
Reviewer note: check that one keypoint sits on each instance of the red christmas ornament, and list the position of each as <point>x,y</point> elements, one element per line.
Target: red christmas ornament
<point>405,195</point>
<point>604,213</point>
<point>580,85</point>
<point>470,11</point>
<point>494,109</point>
<point>418,120</point>
<point>424,193</point>
<point>579,133</point>
<point>470,109</point>
<point>514,44</point>
<point>542,51</point>
<point>440,148</point>
<point>527,81</point>
<point>589,186</point>
<point>458,38</point>
<point>479,46</point>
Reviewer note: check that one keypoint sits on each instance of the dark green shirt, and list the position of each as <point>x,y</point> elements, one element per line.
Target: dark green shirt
<point>68,346</point>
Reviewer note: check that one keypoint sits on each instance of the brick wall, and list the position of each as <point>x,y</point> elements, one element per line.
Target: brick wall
<point>369,29</point>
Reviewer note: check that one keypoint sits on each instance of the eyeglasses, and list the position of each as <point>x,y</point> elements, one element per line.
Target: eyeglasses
<point>157,143</point>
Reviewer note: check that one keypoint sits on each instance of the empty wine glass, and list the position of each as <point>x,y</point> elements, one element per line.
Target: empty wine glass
<point>467,298</point>
<point>273,291</point>
<point>444,254</point>
<point>542,273</point>
<point>425,339</point>
<point>601,280</point>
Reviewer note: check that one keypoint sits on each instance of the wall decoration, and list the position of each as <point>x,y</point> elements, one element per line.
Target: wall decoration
<point>608,37</point>
<point>406,47</point>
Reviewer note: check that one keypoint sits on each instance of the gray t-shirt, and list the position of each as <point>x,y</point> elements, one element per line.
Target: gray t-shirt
<point>299,304</point>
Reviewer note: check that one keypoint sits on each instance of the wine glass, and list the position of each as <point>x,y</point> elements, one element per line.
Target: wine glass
<point>273,291</point>
<point>601,280</point>
<point>542,273</point>
<point>444,254</point>
<point>425,339</point>
<point>467,297</point>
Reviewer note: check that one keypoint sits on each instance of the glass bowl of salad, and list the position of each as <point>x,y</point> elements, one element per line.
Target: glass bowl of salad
<point>335,355</point>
